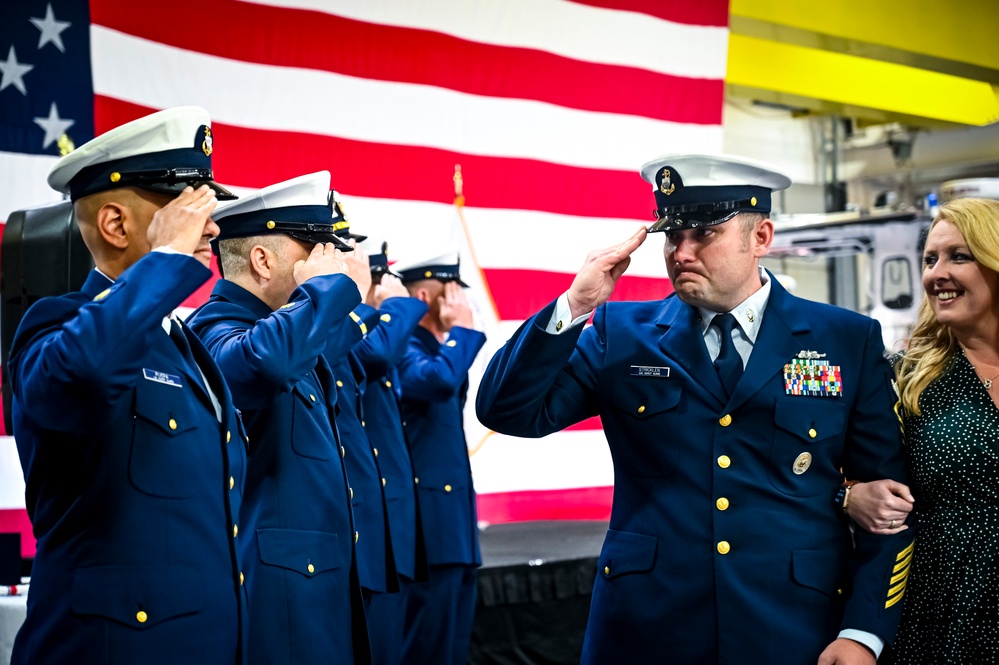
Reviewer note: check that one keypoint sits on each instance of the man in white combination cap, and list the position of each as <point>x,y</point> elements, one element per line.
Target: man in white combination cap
<point>434,378</point>
<point>286,292</point>
<point>133,454</point>
<point>732,410</point>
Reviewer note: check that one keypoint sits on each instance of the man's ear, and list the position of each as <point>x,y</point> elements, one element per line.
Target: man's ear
<point>111,224</point>
<point>763,234</point>
<point>262,262</point>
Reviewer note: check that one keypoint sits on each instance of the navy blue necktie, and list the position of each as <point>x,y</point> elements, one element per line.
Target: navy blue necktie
<point>728,364</point>
<point>180,339</point>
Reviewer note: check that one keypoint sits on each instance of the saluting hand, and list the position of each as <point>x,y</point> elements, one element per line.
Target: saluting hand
<point>182,223</point>
<point>454,308</point>
<point>358,267</point>
<point>595,281</point>
<point>325,259</point>
<point>390,287</point>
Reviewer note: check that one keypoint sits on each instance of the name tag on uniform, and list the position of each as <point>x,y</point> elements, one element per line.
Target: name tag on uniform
<point>648,370</point>
<point>162,377</point>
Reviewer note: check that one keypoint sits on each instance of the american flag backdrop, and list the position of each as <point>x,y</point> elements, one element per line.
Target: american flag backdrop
<point>548,106</point>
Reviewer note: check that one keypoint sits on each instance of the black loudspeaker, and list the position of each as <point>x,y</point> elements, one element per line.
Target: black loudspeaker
<point>42,254</point>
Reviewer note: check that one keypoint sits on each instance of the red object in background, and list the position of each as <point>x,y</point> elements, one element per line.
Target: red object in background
<point>15,520</point>
<point>584,503</point>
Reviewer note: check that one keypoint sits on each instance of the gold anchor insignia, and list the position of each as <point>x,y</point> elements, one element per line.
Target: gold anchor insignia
<point>802,463</point>
<point>666,187</point>
<point>206,145</point>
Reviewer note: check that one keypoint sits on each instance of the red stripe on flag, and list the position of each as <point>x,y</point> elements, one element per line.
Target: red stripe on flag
<point>520,294</point>
<point>257,158</point>
<point>584,503</point>
<point>690,12</point>
<point>589,424</point>
<point>319,41</point>
<point>15,520</point>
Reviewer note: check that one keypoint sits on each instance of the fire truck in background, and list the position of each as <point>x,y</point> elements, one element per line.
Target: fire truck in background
<point>869,261</point>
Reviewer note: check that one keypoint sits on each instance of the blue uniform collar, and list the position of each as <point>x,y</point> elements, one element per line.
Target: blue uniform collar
<point>236,294</point>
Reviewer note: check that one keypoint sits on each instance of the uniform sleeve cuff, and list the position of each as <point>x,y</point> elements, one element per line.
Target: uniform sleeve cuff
<point>869,640</point>
<point>562,320</point>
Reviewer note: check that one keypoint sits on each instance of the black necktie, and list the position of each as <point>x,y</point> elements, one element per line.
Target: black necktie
<point>728,363</point>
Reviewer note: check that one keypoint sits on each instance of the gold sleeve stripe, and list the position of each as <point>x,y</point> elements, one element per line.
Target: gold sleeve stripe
<point>898,588</point>
<point>892,601</point>
<point>906,552</point>
<point>900,576</point>
<point>902,564</point>
<point>356,319</point>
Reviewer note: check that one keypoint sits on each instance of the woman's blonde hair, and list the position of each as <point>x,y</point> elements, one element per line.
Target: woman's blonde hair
<point>932,345</point>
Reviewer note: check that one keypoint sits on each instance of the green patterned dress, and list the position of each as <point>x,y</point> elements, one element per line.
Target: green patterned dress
<point>951,612</point>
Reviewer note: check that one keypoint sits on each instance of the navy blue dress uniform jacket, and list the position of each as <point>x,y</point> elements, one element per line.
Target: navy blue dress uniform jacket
<point>434,380</point>
<point>296,534</point>
<point>133,482</point>
<point>379,353</point>
<point>718,550</point>
<point>375,561</point>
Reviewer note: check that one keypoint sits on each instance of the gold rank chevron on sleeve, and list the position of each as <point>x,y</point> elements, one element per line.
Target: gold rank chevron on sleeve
<point>900,575</point>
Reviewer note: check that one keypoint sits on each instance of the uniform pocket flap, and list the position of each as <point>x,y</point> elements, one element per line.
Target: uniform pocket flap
<point>443,485</point>
<point>305,552</point>
<point>625,552</point>
<point>166,407</point>
<point>821,571</point>
<point>307,393</point>
<point>819,418</point>
<point>643,397</point>
<point>137,596</point>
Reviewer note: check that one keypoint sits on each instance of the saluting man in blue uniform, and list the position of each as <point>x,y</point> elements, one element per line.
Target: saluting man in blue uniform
<point>732,409</point>
<point>434,377</point>
<point>379,353</point>
<point>132,452</point>
<point>285,291</point>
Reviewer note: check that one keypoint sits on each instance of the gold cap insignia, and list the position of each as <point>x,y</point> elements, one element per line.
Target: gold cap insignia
<point>206,145</point>
<point>666,187</point>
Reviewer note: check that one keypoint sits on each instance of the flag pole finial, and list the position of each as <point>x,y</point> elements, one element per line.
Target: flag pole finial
<point>459,197</point>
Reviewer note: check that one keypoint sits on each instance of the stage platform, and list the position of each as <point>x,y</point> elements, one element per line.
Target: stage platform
<point>534,591</point>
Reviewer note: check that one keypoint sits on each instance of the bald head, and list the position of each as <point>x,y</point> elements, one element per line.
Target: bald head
<point>114,223</point>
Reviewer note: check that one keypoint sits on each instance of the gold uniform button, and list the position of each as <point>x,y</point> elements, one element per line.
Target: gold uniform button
<point>343,452</point>
<point>312,568</point>
<point>350,490</point>
<point>722,503</point>
<point>725,420</point>
<point>115,177</point>
<point>339,384</point>
<point>388,384</point>
<point>228,436</point>
<point>558,327</point>
<point>452,343</point>
<point>375,451</point>
<point>812,433</point>
<point>241,579</point>
<point>724,461</point>
<point>141,616</point>
<point>447,488</point>
<point>235,530</point>
<point>172,424</point>
<point>416,481</point>
<point>232,482</point>
<point>641,409</point>
<point>386,317</point>
<point>356,536</point>
<point>363,424</point>
<point>383,482</point>
<point>724,547</point>
<point>606,570</point>
<point>839,592</point>
<point>312,397</point>
<point>428,274</point>
<point>271,225</point>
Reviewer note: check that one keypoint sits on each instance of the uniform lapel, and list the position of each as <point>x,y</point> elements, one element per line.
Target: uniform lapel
<point>683,343</point>
<point>775,345</point>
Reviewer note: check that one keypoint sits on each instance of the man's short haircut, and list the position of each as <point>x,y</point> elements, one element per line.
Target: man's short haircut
<point>234,253</point>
